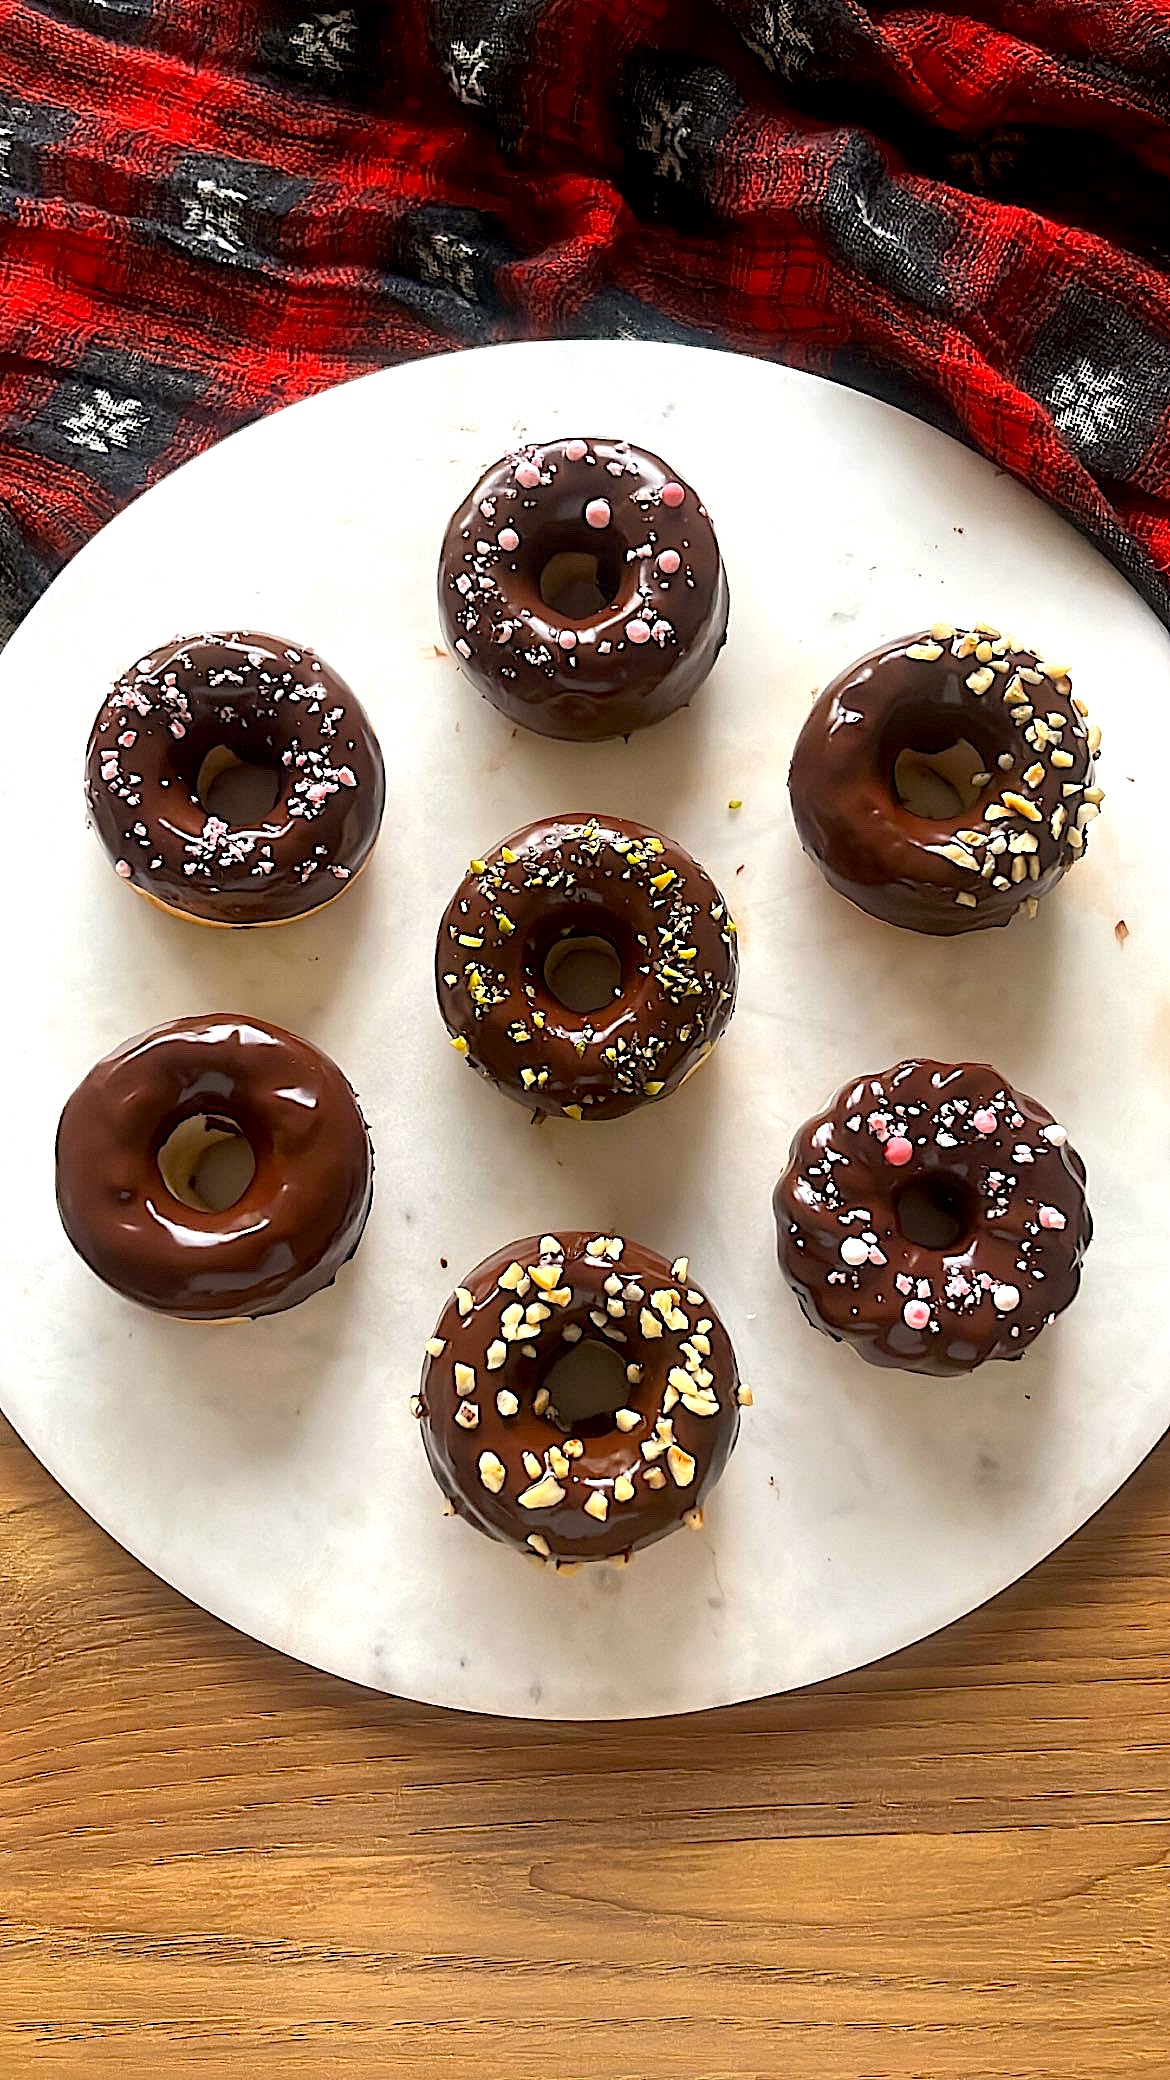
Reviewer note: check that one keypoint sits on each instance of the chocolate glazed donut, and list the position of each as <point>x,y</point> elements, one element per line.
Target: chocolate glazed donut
<point>1031,794</point>
<point>299,1219</point>
<point>207,702</point>
<point>933,1217</point>
<point>605,881</point>
<point>598,1490</point>
<point>582,590</point>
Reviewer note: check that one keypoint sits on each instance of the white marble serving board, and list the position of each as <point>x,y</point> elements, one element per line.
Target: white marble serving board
<point>272,1471</point>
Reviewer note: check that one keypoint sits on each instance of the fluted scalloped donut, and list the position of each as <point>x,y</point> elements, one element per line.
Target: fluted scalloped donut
<point>646,649</point>
<point>1037,795</point>
<point>264,700</point>
<point>620,881</point>
<point>495,1443</point>
<point>901,1303</point>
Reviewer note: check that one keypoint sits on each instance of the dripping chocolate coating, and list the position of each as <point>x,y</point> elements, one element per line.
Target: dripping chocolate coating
<point>301,1216</point>
<point>268,702</point>
<point>976,868</point>
<point>600,876</point>
<point>501,1333</point>
<point>663,620</point>
<point>1008,1172</point>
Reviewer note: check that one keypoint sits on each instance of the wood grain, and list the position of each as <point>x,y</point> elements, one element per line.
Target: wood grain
<point>953,1866</point>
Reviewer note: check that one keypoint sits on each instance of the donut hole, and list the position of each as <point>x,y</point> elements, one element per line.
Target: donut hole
<point>583,972</point>
<point>206,1163</point>
<point>936,1212</point>
<point>586,1385</point>
<point>240,791</point>
<point>578,576</point>
<point>939,764</point>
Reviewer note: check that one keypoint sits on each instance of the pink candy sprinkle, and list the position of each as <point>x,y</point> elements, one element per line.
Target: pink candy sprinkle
<point>509,539</point>
<point>567,639</point>
<point>673,494</point>
<point>638,632</point>
<point>1051,1217</point>
<point>527,476</point>
<point>669,562</point>
<point>123,867</point>
<point>463,648</point>
<point>597,513</point>
<point>898,1150</point>
<point>128,739</point>
<point>177,730</point>
<point>575,451</point>
<point>347,776</point>
<point>983,1121</point>
<point>916,1314</point>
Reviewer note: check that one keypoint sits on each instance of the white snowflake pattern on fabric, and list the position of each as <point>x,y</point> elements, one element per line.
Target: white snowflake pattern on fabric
<point>773,33</point>
<point>449,262</point>
<point>1089,404</point>
<point>666,132</point>
<point>213,218</point>
<point>464,66</point>
<point>102,422</point>
<point>325,42</point>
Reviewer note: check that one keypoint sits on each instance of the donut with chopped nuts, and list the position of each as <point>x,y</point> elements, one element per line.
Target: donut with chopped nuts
<point>598,1488</point>
<point>999,727</point>
<point>140,1222</point>
<point>582,590</point>
<point>586,881</point>
<point>189,711</point>
<point>933,1217</point>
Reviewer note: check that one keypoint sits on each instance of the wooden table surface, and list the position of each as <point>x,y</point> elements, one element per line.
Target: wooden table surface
<point>215,1862</point>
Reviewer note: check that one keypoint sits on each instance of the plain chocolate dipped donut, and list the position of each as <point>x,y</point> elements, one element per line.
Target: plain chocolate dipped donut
<point>582,590</point>
<point>953,1154</point>
<point>217,700</point>
<point>299,1220</point>
<point>1031,798</point>
<point>499,1450</point>
<point>601,880</point>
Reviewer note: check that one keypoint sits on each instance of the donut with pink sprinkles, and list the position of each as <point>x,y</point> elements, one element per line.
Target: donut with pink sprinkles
<point>933,1217</point>
<point>581,588</point>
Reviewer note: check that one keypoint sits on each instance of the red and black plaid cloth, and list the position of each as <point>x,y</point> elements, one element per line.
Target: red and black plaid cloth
<point>210,207</point>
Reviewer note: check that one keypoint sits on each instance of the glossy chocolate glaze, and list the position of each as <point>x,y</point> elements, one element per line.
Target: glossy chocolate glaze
<point>1012,1172</point>
<point>613,879</point>
<point>978,867</point>
<point>271,703</point>
<point>501,1333</point>
<point>636,659</point>
<point>297,1223</point>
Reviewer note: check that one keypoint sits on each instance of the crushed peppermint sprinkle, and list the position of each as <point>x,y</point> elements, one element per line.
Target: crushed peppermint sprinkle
<point>260,702</point>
